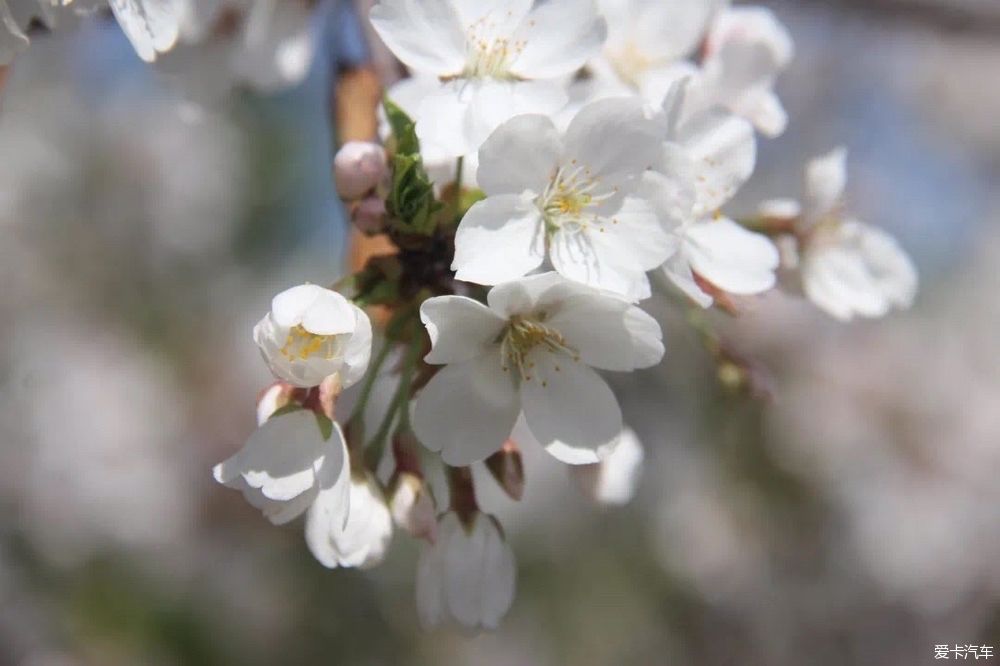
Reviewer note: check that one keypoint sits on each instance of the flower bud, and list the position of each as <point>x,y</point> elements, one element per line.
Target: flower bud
<point>507,468</point>
<point>468,576</point>
<point>413,508</point>
<point>358,168</point>
<point>368,215</point>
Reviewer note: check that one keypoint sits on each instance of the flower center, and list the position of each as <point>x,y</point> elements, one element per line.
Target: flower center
<point>490,52</point>
<point>301,344</point>
<point>523,335</point>
<point>569,197</point>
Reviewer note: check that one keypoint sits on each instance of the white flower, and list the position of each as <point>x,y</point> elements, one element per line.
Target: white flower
<point>613,481</point>
<point>648,39</point>
<point>489,60</point>
<point>358,167</point>
<point>849,269</point>
<point>312,333</point>
<point>466,577</point>
<point>413,508</point>
<point>352,533</point>
<point>745,51</point>
<point>709,157</point>
<point>570,200</point>
<point>533,349</point>
<point>286,464</point>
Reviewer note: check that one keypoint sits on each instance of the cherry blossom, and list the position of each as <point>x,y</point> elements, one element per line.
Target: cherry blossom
<point>312,333</point>
<point>569,200</point>
<point>467,576</point>
<point>487,61</point>
<point>533,349</point>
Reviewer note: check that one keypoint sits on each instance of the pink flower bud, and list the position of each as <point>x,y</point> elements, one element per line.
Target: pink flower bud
<point>358,168</point>
<point>368,215</point>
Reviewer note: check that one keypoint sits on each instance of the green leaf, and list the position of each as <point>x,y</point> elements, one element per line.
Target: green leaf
<point>403,128</point>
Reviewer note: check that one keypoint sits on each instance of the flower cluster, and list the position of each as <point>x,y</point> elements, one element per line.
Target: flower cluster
<point>589,153</point>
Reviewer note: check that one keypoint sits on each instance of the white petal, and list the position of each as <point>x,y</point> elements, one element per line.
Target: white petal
<point>826,179</point>
<point>280,457</point>
<point>678,271</point>
<point>522,154</point>
<point>559,37</point>
<point>613,137</point>
<point>601,260</point>
<point>467,410</point>
<point>732,258</point>
<point>501,238</point>
<point>891,266</point>
<point>613,481</point>
<point>460,328</point>
<point>632,238</point>
<point>764,109</point>
<point>358,351</point>
<point>493,103</point>
<point>152,26</point>
<point>500,575</point>
<point>503,16</point>
<point>525,295</point>
<point>430,580</point>
<point>569,408</point>
<point>465,574</point>
<point>609,333</point>
<point>723,151</point>
<point>424,34</point>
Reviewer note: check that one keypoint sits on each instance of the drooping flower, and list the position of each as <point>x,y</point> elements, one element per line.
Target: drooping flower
<point>533,349</point>
<point>487,61</point>
<point>709,157</point>
<point>571,201</point>
<point>355,533</point>
<point>312,333</point>
<point>287,463</point>
<point>467,577</point>
<point>849,269</point>
<point>613,481</point>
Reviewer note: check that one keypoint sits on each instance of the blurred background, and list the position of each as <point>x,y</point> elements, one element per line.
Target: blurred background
<point>853,518</point>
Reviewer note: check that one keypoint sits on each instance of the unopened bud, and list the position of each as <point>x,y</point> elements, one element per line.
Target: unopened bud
<point>507,468</point>
<point>413,508</point>
<point>358,168</point>
<point>368,215</point>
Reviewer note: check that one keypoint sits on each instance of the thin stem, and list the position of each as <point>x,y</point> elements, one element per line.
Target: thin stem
<point>400,401</point>
<point>373,370</point>
<point>459,169</point>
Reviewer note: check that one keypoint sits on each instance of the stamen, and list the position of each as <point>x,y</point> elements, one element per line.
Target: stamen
<point>524,335</point>
<point>301,344</point>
